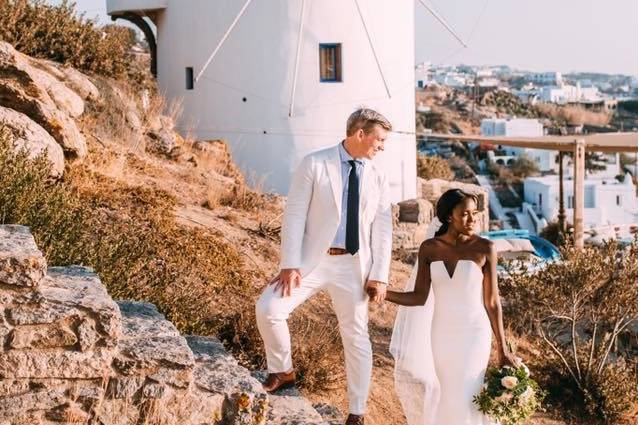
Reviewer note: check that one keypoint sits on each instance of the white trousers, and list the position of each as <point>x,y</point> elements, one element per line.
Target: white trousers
<point>339,275</point>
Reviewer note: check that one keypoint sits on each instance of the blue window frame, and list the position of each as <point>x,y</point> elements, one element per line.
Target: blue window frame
<point>330,63</point>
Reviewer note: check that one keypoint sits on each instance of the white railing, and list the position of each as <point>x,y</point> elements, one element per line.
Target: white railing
<point>530,210</point>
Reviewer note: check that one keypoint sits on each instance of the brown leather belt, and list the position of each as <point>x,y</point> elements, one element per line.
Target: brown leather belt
<point>336,251</point>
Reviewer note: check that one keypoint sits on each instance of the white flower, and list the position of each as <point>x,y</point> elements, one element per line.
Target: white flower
<point>526,395</point>
<point>504,398</point>
<point>484,386</point>
<point>526,369</point>
<point>509,382</point>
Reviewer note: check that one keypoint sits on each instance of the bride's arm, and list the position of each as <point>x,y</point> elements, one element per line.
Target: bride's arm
<point>492,302</point>
<point>421,287</point>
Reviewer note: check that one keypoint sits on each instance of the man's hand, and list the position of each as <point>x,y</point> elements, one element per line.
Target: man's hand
<point>376,290</point>
<point>285,280</point>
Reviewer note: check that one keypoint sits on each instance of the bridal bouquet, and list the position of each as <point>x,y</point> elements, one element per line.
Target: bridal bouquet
<point>509,396</point>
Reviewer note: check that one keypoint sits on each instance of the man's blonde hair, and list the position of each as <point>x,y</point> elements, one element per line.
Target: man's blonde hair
<point>366,119</point>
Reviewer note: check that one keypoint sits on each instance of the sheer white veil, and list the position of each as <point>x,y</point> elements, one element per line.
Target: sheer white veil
<point>415,380</point>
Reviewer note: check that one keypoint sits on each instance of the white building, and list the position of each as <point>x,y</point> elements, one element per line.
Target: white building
<point>569,94</point>
<point>519,127</point>
<point>423,75</point>
<point>281,85</point>
<point>546,78</point>
<point>607,201</point>
<point>452,79</point>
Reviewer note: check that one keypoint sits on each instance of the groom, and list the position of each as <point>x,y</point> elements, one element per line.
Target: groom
<point>336,236</point>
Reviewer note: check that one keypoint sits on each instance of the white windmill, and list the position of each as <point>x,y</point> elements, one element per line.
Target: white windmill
<point>278,78</point>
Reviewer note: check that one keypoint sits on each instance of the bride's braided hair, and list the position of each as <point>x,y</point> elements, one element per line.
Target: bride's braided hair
<point>445,205</point>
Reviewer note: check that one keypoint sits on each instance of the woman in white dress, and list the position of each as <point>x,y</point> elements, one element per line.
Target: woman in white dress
<point>442,338</point>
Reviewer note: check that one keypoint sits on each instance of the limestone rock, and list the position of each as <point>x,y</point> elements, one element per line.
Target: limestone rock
<point>87,335</point>
<point>55,364</point>
<point>152,346</point>
<point>70,354</point>
<point>31,136</point>
<point>21,263</point>
<point>71,77</point>
<point>63,97</point>
<point>124,387</point>
<point>80,288</point>
<point>54,335</point>
<point>417,211</point>
<point>217,372</point>
<point>37,400</point>
<point>41,97</point>
<point>330,414</point>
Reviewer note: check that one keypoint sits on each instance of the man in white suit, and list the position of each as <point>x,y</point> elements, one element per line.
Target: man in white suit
<point>336,236</point>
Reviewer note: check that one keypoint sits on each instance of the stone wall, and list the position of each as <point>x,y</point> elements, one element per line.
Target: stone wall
<point>70,354</point>
<point>411,218</point>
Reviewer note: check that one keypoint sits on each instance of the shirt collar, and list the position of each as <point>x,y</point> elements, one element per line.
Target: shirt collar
<point>345,156</point>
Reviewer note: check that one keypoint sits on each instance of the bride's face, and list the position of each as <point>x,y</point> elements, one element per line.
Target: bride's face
<point>465,217</point>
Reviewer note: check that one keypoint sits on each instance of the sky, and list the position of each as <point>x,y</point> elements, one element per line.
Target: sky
<point>535,35</point>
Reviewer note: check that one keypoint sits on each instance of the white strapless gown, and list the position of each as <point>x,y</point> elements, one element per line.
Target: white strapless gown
<point>461,339</point>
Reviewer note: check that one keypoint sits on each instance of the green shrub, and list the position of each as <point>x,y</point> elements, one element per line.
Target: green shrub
<point>56,32</point>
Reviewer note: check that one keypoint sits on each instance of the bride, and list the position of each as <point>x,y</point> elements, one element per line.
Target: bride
<point>442,337</point>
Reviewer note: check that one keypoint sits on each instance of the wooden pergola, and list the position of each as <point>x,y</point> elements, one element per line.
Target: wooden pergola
<point>577,144</point>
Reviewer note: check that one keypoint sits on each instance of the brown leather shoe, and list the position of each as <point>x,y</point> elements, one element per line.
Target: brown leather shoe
<point>276,381</point>
<point>354,419</point>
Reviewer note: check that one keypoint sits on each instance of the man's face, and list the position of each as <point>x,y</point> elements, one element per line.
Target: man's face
<point>372,142</point>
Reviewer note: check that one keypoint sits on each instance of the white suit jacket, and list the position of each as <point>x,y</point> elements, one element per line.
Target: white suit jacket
<point>313,212</point>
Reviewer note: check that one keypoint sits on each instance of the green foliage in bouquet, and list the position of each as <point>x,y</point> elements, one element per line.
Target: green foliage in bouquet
<point>509,395</point>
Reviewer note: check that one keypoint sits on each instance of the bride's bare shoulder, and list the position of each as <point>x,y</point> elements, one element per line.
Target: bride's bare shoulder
<point>486,246</point>
<point>427,247</point>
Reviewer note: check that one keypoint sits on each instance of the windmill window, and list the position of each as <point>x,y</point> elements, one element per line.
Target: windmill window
<point>190,83</point>
<point>330,62</point>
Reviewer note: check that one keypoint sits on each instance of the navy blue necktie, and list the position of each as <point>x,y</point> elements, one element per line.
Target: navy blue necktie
<point>352,217</point>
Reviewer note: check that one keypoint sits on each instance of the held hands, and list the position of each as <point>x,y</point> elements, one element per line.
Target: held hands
<point>286,280</point>
<point>376,290</point>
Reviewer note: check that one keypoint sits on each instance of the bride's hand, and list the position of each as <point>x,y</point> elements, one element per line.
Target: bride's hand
<point>507,358</point>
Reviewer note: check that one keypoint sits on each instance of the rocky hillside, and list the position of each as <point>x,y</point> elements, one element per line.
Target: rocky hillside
<point>70,354</point>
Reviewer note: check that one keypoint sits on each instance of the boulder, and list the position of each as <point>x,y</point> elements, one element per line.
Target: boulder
<point>289,407</point>
<point>29,135</point>
<point>21,263</point>
<point>217,372</point>
<point>151,346</point>
<point>41,97</point>
<point>71,77</point>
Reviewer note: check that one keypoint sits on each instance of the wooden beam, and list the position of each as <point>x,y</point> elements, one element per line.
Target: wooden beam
<point>579,193</point>
<point>561,196</point>
<point>604,142</point>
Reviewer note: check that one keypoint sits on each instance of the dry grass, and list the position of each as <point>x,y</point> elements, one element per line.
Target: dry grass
<point>573,115</point>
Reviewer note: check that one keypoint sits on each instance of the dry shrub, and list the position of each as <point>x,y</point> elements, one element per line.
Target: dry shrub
<point>127,234</point>
<point>56,32</point>
<point>433,167</point>
<point>524,166</point>
<point>573,115</point>
<point>580,309</point>
<point>244,198</point>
